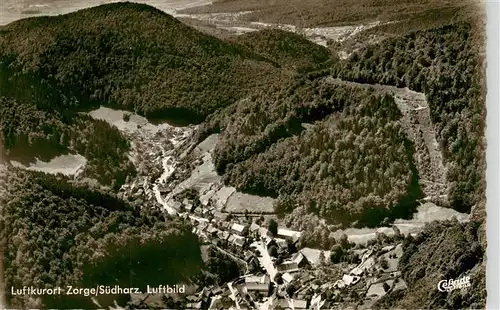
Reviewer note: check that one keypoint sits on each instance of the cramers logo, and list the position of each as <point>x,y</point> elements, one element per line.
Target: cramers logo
<point>450,285</point>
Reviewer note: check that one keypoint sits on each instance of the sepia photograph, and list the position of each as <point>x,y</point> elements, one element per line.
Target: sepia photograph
<point>245,154</point>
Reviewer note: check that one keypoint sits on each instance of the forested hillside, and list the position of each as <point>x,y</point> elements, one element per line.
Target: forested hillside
<point>444,250</point>
<point>287,49</point>
<point>24,127</point>
<point>338,149</point>
<point>445,64</point>
<point>132,56</point>
<point>57,234</point>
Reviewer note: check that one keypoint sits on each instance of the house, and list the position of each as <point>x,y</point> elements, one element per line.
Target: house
<point>260,284</point>
<point>212,231</point>
<point>198,219</point>
<point>282,304</point>
<point>317,302</point>
<point>350,280</point>
<point>287,277</point>
<point>253,262</point>
<point>388,248</point>
<point>282,243</point>
<point>216,303</point>
<point>289,234</point>
<point>217,291</point>
<point>296,304</point>
<point>237,229</point>
<point>202,226</point>
<point>254,230</point>
<point>313,255</point>
<point>339,283</point>
<point>288,266</point>
<point>236,240</point>
<point>300,260</point>
<point>223,235</point>
<point>192,298</point>
<point>299,304</point>
<point>248,255</point>
<point>356,272</point>
<point>194,305</point>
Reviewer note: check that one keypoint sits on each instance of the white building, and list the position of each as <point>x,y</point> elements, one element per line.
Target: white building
<point>288,234</point>
<point>237,229</point>
<point>259,284</point>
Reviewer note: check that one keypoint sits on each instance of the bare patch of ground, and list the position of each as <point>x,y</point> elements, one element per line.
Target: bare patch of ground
<point>426,213</point>
<point>239,202</point>
<point>70,165</point>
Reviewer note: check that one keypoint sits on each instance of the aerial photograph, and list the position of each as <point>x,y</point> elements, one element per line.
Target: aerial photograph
<point>242,154</point>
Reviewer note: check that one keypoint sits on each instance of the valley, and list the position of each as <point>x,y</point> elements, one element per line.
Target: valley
<point>265,157</point>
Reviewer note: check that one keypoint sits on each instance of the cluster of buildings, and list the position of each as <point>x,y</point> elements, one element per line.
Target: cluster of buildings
<point>265,289</point>
<point>274,265</point>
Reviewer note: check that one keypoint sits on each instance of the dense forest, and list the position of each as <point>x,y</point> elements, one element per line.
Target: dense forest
<point>443,63</point>
<point>55,234</point>
<point>287,49</point>
<point>339,150</point>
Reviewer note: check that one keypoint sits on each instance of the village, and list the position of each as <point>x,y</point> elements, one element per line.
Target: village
<point>274,271</point>
<point>275,274</point>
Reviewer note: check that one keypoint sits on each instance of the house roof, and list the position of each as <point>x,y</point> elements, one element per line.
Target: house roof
<point>388,248</point>
<point>194,305</point>
<point>257,283</point>
<point>288,233</point>
<point>340,283</point>
<point>288,267</point>
<point>298,258</point>
<point>312,255</point>
<point>254,227</point>
<point>212,229</point>
<point>248,254</point>
<point>287,277</point>
<point>257,286</point>
<point>299,304</point>
<point>237,227</point>
<point>281,243</point>
<point>192,298</point>
<point>270,241</point>
<point>198,219</point>
<point>356,271</point>
<point>348,279</point>
<point>238,240</point>
<point>258,279</point>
